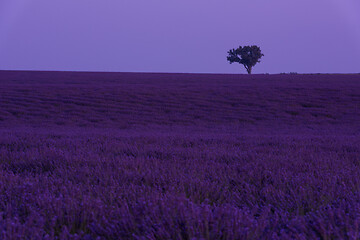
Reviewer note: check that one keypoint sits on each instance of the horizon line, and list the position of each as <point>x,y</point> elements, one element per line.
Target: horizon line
<point>198,73</point>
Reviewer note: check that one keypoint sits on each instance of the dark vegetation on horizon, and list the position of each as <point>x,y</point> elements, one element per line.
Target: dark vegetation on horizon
<point>179,156</point>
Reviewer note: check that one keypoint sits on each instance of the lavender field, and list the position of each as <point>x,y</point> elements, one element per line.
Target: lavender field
<point>179,156</point>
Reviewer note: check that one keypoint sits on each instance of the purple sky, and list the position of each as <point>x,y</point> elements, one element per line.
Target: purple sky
<point>302,36</point>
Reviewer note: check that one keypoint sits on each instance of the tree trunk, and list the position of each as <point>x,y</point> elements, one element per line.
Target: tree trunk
<point>248,69</point>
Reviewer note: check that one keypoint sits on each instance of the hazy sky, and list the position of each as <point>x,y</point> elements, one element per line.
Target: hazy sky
<point>179,35</point>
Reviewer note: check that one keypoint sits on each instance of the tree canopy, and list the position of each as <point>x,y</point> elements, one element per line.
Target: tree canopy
<point>248,56</point>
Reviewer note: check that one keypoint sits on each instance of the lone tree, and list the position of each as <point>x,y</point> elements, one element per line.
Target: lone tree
<point>247,56</point>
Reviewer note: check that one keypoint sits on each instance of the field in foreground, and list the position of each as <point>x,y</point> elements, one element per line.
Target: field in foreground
<point>179,156</point>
